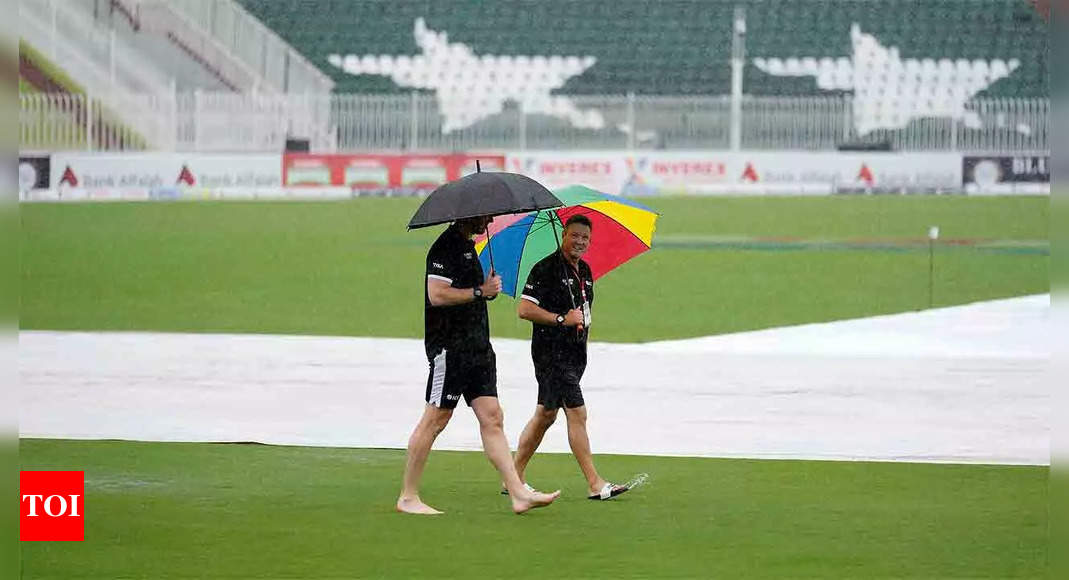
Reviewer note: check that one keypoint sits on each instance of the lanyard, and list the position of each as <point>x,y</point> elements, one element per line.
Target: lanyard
<point>578,279</point>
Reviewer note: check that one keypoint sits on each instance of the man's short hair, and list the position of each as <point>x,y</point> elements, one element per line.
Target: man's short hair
<point>579,219</point>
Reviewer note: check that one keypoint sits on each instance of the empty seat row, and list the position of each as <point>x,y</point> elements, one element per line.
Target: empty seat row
<point>670,46</point>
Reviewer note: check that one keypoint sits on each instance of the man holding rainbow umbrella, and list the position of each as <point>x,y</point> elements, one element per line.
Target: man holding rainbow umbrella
<point>559,256</point>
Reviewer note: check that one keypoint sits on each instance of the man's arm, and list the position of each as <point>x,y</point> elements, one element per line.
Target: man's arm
<point>530,311</point>
<point>530,306</point>
<point>441,293</point>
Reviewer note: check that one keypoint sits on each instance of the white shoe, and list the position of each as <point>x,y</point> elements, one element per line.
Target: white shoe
<point>609,491</point>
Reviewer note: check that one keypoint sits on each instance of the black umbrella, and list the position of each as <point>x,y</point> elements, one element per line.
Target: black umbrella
<point>483,194</point>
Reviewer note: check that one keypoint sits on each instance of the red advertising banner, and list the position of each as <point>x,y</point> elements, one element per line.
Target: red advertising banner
<point>391,174</point>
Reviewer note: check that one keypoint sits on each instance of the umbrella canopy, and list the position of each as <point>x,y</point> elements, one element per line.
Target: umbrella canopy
<point>482,194</point>
<point>622,229</point>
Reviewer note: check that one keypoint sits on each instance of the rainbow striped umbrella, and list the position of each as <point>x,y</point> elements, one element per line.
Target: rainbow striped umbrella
<point>622,229</point>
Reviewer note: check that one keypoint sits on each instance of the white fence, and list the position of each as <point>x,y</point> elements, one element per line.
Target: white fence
<point>416,122</point>
<point>207,122</point>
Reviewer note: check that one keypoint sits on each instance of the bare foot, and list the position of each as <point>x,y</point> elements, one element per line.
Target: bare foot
<point>533,499</point>
<point>413,505</point>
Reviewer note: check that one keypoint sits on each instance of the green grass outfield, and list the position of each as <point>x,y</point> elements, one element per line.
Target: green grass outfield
<point>248,511</point>
<point>170,510</point>
<point>349,268</point>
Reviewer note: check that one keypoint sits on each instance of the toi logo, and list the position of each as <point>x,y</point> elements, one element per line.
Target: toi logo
<point>51,506</point>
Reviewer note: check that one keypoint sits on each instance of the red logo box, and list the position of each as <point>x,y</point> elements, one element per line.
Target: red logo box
<point>52,506</point>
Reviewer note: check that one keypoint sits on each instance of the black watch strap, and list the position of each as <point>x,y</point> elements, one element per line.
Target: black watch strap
<point>477,292</point>
<point>560,320</point>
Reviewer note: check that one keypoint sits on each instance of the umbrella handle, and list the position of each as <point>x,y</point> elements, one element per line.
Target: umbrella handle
<point>490,249</point>
<point>491,254</point>
<point>552,214</point>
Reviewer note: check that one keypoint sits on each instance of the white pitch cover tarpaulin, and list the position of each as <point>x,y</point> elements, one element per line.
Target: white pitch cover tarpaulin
<point>961,384</point>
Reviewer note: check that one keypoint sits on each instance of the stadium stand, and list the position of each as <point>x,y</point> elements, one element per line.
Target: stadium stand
<point>467,74</point>
<point>913,65</point>
<point>681,47</point>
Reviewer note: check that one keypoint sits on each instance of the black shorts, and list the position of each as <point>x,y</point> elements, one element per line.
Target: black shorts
<point>453,374</point>
<point>559,387</point>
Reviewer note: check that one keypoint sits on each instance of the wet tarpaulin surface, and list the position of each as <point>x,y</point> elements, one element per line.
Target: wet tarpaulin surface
<point>960,384</point>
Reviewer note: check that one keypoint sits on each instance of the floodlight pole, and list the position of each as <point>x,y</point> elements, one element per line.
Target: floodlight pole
<point>738,60</point>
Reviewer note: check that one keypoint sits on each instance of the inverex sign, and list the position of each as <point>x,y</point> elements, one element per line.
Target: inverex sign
<point>725,172</point>
<point>148,171</point>
<point>602,171</point>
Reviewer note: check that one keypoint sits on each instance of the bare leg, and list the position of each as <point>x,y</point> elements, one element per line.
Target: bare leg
<point>532,436</point>
<point>430,425</point>
<point>580,444</point>
<point>496,446</point>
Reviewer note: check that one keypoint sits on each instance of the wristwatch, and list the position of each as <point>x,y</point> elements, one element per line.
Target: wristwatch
<point>560,320</point>
<point>478,292</point>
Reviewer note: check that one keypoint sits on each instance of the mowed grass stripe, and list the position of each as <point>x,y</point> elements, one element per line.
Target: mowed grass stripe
<point>1026,247</point>
<point>170,510</point>
<point>350,268</point>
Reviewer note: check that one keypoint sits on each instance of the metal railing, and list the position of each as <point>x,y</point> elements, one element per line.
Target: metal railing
<point>77,34</point>
<point>200,121</point>
<point>118,79</point>
<point>414,122</point>
<point>280,66</point>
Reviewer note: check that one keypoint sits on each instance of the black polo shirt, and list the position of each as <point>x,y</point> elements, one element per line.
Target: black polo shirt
<point>464,327</point>
<point>554,286</point>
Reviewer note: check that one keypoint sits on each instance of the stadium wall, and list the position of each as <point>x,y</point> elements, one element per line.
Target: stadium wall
<point>174,176</point>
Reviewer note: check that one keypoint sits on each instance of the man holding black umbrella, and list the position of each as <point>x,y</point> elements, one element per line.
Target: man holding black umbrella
<point>457,339</point>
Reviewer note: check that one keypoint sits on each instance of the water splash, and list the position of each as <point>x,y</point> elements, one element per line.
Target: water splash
<point>638,480</point>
